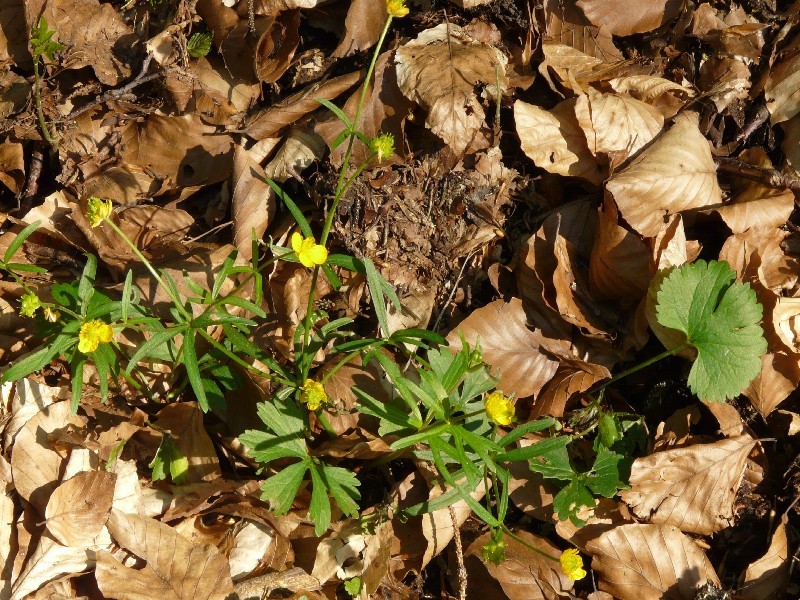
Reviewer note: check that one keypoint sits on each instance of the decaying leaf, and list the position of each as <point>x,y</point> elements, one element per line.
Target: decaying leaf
<point>440,71</point>
<point>692,487</point>
<point>769,575</point>
<point>78,509</point>
<point>622,17</point>
<point>649,562</point>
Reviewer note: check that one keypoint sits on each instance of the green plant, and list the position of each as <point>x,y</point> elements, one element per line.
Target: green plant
<point>199,45</point>
<point>42,45</point>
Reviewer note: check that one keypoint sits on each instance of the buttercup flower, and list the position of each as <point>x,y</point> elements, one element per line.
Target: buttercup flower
<point>396,8</point>
<point>51,314</point>
<point>97,209</point>
<point>499,408</point>
<point>28,304</point>
<point>572,564</point>
<point>313,394</point>
<point>308,250</point>
<point>92,334</point>
<point>382,145</point>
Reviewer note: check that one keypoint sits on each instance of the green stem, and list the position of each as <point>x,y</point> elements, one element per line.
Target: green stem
<point>508,532</point>
<point>242,363</point>
<point>39,111</point>
<point>641,366</point>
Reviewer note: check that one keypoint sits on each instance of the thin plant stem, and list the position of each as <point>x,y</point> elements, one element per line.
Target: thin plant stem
<point>39,111</point>
<point>641,366</point>
<point>508,532</point>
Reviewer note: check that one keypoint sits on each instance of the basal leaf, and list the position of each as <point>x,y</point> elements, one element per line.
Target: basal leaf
<point>720,319</point>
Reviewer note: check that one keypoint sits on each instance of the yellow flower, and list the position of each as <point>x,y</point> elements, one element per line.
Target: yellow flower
<point>51,314</point>
<point>572,564</point>
<point>313,394</point>
<point>308,250</point>
<point>382,145</point>
<point>92,333</point>
<point>396,8</point>
<point>28,304</point>
<point>97,209</point>
<point>499,408</point>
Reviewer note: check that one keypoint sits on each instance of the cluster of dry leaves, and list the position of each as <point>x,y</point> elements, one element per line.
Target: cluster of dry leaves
<point>622,138</point>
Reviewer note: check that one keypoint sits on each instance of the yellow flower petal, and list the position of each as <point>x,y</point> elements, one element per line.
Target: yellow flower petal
<point>309,253</point>
<point>97,209</point>
<point>499,408</point>
<point>318,254</point>
<point>572,564</point>
<point>92,334</point>
<point>297,241</point>
<point>313,394</point>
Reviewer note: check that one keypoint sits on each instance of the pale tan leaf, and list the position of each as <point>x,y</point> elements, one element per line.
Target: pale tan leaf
<point>779,270</point>
<point>620,266</point>
<point>78,509</point>
<point>8,544</point>
<point>300,149</point>
<point>692,487</point>
<point>176,568</point>
<point>511,349</point>
<point>35,464</point>
<point>440,70</point>
<point>525,574</point>
<point>616,126</point>
<point>768,577</point>
<point>29,398</point>
<point>667,96</point>
<point>779,376</point>
<point>674,174</point>
<point>791,143</point>
<point>566,24</point>
<point>649,562</point>
<point>786,322</point>
<point>554,141</point>
<point>251,543</point>
<point>724,80</point>
<point>626,17</point>
<point>438,526</point>
<point>253,202</point>
<point>782,89</point>
<point>50,561</point>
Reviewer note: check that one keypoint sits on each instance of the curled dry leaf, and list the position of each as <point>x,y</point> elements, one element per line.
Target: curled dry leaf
<point>555,142</point>
<point>778,270</point>
<point>572,377</point>
<point>692,487</point>
<point>768,577</point>
<point>525,574</point>
<point>78,509</point>
<point>649,562</point>
<point>566,24</point>
<point>665,95</point>
<point>440,70</point>
<point>176,568</point>
<point>514,352</point>
<point>362,27</point>
<point>616,126</point>
<point>779,376</point>
<point>12,166</point>
<point>50,561</point>
<point>674,174</point>
<point>253,202</point>
<point>623,17</point>
<point>35,463</point>
<point>782,89</point>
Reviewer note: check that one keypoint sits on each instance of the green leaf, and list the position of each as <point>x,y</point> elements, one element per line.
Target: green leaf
<point>86,284</point>
<point>169,458</point>
<point>571,499</point>
<point>17,242</point>
<point>609,473</point>
<point>199,45</point>
<point>281,489</point>
<point>193,370</point>
<point>353,586</point>
<point>720,319</point>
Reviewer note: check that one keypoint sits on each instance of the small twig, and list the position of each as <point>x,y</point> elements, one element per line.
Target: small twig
<point>34,172</point>
<point>768,177</point>
<point>462,571</point>
<point>116,93</point>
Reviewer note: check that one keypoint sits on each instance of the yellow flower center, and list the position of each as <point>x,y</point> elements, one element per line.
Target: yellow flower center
<point>92,334</point>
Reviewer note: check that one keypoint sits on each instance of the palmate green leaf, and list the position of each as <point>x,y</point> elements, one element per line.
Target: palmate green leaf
<point>720,319</point>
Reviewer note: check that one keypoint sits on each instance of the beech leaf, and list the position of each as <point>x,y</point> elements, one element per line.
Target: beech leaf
<point>720,319</point>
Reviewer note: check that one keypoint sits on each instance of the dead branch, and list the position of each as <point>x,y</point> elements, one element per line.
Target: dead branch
<point>768,177</point>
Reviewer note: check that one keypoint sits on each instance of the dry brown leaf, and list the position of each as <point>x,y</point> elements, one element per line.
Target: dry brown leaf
<point>616,126</point>
<point>8,542</point>
<point>779,376</point>
<point>566,24</point>
<point>768,577</point>
<point>14,89</point>
<point>78,509</point>
<point>620,266</point>
<point>665,95</point>
<point>724,80</point>
<point>36,465</point>
<point>50,561</point>
<point>300,149</point>
<point>649,562</point>
<point>270,121</point>
<point>438,526</point>
<point>253,202</point>
<point>692,487</point>
<point>674,174</point>
<point>12,166</point>
<point>184,422</point>
<point>778,270</point>
<point>95,35</point>
<point>782,89</point>
<point>573,377</point>
<point>791,144</point>
<point>154,227</point>
<point>512,350</point>
<point>440,70</point>
<point>176,568</point>
<point>623,17</point>
<point>555,142</point>
<point>525,574</point>
<point>14,34</point>
<point>362,27</point>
